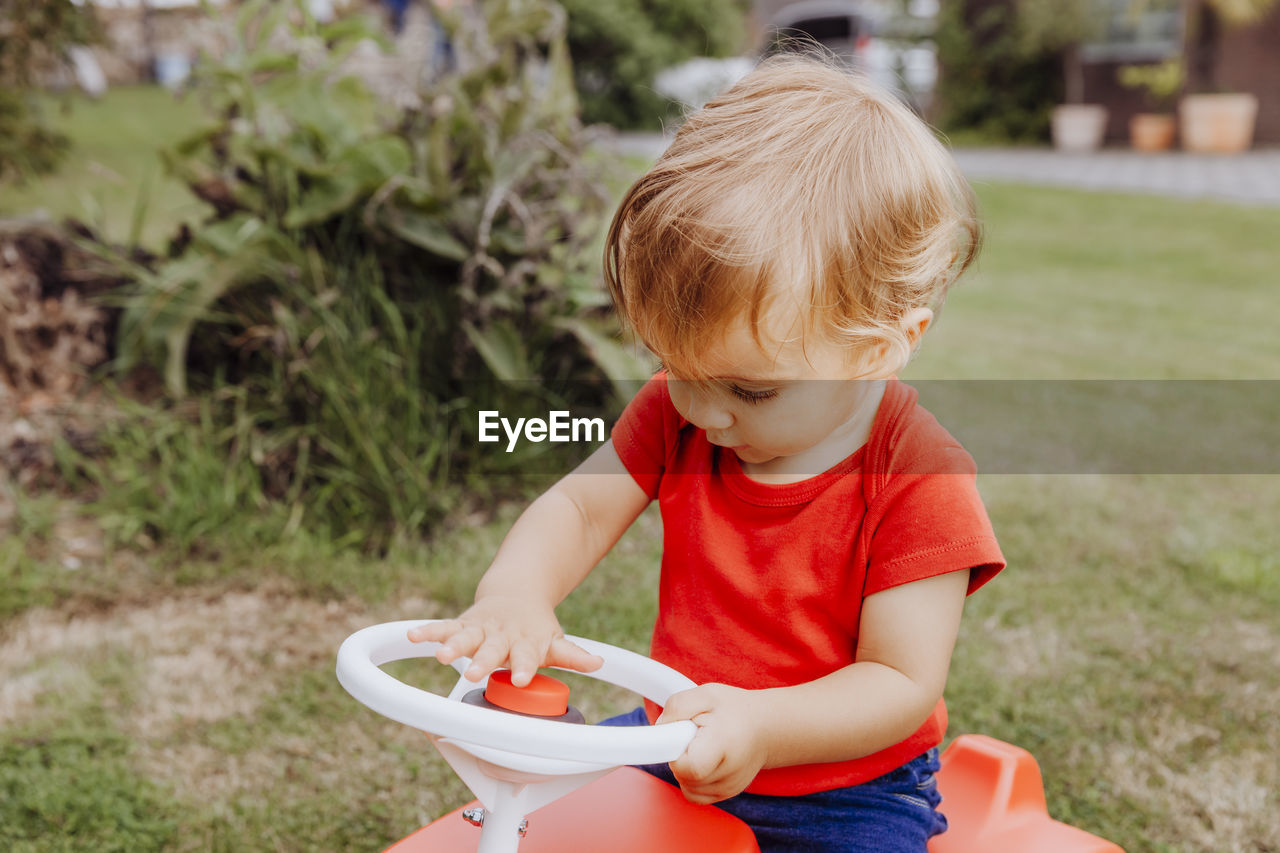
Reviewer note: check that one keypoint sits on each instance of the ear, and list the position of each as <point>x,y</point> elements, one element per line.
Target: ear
<point>915,323</point>
<point>889,358</point>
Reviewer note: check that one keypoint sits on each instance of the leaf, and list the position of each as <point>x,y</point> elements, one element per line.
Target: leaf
<point>232,235</point>
<point>193,141</point>
<point>352,29</point>
<point>622,366</point>
<point>337,116</point>
<point>377,160</point>
<point>560,98</point>
<point>273,63</point>
<point>182,294</point>
<point>425,232</point>
<point>325,197</point>
<point>502,349</point>
<point>356,174</point>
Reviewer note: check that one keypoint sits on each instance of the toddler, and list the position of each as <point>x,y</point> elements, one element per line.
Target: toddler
<point>783,259</point>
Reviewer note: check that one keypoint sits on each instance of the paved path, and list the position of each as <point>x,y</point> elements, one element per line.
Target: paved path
<point>1249,178</point>
<point>1252,177</point>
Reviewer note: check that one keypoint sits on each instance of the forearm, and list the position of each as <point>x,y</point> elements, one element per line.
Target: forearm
<point>855,711</point>
<point>550,549</point>
<point>741,732</point>
<point>906,635</point>
<point>552,546</point>
<point>559,539</point>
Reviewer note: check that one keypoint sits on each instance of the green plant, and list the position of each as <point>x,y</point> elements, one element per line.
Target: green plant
<point>1007,64</point>
<point>177,475</point>
<point>34,37</point>
<point>990,86</point>
<point>115,184</point>
<point>618,47</point>
<point>1160,82</point>
<point>1059,27</point>
<point>28,145</point>
<point>474,206</point>
<point>372,272</point>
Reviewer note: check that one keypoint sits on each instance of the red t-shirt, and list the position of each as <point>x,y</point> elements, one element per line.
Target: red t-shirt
<point>762,584</point>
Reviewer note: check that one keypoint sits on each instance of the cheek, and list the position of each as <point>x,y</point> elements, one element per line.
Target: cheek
<point>799,420</point>
<point>779,428</point>
<point>679,398</point>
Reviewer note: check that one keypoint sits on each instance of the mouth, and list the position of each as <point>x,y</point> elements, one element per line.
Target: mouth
<point>736,448</point>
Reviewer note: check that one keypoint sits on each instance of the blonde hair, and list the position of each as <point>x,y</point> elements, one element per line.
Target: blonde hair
<point>802,180</point>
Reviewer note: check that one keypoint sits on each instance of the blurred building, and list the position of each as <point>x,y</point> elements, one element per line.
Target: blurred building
<point>1217,57</point>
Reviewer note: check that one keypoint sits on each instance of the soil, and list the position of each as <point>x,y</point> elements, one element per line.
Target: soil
<point>54,332</point>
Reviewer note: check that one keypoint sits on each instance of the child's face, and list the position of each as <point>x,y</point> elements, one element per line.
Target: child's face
<point>783,401</point>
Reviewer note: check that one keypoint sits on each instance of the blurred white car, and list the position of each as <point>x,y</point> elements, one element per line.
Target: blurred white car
<point>850,29</point>
<point>697,81</point>
<point>868,36</point>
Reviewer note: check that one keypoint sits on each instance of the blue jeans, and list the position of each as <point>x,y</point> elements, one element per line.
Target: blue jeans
<point>894,813</point>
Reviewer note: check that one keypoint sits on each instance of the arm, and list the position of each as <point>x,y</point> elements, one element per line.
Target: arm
<point>906,636</point>
<point>550,549</point>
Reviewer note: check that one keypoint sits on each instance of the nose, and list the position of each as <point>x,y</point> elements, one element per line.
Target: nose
<point>706,412</point>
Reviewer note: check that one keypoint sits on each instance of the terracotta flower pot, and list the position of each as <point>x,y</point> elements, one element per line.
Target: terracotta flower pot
<point>1078,127</point>
<point>1220,124</point>
<point>1151,132</point>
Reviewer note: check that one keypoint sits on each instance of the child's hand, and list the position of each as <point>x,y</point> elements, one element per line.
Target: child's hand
<point>504,630</point>
<point>728,750</point>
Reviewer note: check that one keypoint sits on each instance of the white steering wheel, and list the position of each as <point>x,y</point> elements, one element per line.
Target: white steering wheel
<point>497,732</point>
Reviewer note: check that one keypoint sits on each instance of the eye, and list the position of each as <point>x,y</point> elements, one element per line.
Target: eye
<point>749,396</point>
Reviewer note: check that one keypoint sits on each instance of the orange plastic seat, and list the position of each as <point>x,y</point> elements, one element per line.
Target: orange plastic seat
<point>993,798</point>
<point>992,795</point>
<point>627,811</point>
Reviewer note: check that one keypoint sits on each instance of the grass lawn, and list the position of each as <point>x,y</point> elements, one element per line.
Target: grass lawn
<point>167,701</point>
<point>1076,285</point>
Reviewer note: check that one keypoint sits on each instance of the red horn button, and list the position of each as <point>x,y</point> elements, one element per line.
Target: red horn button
<point>543,697</point>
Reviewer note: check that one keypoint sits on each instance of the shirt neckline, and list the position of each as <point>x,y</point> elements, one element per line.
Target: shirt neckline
<point>781,494</point>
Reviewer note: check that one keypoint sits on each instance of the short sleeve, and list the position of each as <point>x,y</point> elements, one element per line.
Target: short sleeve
<point>931,523</point>
<point>646,433</point>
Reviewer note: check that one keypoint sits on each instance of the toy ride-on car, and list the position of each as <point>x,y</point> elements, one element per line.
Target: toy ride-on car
<point>547,784</point>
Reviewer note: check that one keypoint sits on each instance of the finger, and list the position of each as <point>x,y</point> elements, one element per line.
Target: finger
<point>719,786</point>
<point>720,783</point>
<point>491,655</point>
<point>568,655</point>
<point>698,766</point>
<point>524,660</point>
<point>685,705</point>
<point>700,796</point>
<point>462,644</point>
<point>434,632</point>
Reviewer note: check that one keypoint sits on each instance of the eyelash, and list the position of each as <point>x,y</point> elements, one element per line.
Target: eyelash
<point>746,396</point>
<point>752,396</point>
